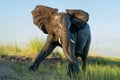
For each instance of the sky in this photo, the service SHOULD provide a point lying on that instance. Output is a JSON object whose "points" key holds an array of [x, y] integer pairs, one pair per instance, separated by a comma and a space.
{"points": [[16, 23]]}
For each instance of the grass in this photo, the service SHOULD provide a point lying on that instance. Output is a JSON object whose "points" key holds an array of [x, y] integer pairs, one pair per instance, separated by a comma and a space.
{"points": [[58, 72], [98, 68], [104, 72], [32, 49]]}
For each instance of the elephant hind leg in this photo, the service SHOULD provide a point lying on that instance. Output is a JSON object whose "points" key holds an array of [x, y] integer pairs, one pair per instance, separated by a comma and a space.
{"points": [[84, 62]]}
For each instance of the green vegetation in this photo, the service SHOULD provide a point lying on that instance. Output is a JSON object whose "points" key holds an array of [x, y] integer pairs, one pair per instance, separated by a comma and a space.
{"points": [[56, 71], [98, 68], [32, 49]]}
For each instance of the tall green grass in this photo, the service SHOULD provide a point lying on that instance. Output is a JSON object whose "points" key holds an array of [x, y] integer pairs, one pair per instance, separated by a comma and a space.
{"points": [[10, 49], [59, 72], [32, 49], [102, 72]]}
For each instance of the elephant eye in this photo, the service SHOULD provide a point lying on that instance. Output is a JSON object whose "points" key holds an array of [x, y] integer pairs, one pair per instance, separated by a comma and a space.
{"points": [[53, 34]]}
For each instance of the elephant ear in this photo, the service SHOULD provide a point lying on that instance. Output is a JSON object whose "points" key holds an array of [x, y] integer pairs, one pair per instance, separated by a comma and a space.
{"points": [[80, 14], [41, 17], [78, 19]]}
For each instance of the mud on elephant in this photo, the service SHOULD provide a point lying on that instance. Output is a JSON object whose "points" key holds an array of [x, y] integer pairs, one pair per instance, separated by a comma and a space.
{"points": [[68, 30]]}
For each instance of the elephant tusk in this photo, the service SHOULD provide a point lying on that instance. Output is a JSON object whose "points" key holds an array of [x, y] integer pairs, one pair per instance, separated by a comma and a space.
{"points": [[72, 41], [59, 40]]}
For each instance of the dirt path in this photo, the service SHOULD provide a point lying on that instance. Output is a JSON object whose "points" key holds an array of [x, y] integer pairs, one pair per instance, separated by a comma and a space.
{"points": [[6, 72]]}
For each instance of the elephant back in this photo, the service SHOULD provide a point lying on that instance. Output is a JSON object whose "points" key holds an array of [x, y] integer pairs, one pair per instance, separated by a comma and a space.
{"points": [[80, 14]]}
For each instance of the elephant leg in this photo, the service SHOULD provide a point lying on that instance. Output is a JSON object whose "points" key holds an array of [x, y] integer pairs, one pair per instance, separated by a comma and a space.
{"points": [[84, 62], [47, 49], [73, 68], [85, 53]]}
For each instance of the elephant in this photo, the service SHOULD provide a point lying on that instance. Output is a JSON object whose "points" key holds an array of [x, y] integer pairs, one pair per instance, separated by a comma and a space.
{"points": [[69, 30]]}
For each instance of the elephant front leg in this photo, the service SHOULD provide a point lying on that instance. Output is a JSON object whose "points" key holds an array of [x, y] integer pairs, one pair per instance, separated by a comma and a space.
{"points": [[73, 68], [47, 49]]}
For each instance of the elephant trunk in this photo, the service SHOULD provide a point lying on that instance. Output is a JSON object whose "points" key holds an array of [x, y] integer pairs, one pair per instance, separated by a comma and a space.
{"points": [[65, 39], [66, 48]]}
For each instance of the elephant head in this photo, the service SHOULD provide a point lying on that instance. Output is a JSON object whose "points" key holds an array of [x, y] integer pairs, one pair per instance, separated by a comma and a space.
{"points": [[42, 17]]}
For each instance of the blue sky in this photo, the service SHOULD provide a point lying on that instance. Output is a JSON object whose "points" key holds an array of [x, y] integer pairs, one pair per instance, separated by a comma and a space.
{"points": [[17, 24]]}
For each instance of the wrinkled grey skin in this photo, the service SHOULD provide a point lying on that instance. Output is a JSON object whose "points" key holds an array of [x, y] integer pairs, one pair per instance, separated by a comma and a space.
{"points": [[74, 43]]}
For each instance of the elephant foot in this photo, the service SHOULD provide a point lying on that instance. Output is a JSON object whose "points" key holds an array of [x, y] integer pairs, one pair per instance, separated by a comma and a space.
{"points": [[72, 75], [73, 70], [84, 68], [33, 67]]}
